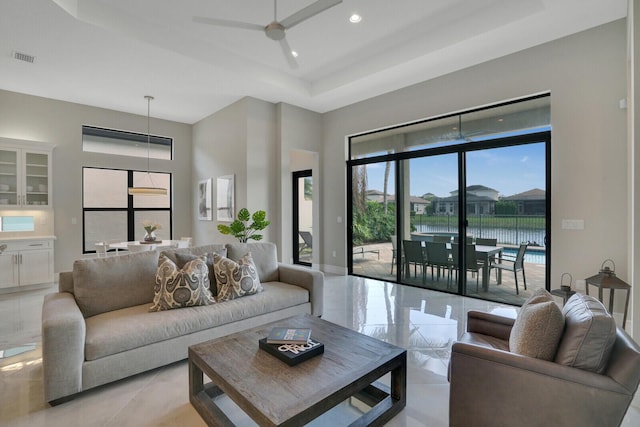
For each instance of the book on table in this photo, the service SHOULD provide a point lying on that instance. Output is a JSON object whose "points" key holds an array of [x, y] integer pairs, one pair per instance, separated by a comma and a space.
{"points": [[292, 354], [283, 335]]}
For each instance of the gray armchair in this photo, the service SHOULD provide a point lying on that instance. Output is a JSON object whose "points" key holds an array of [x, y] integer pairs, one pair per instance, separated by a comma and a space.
{"points": [[491, 386]]}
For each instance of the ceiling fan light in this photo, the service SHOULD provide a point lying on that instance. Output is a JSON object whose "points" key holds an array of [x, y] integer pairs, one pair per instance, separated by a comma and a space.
{"points": [[294, 53], [355, 18]]}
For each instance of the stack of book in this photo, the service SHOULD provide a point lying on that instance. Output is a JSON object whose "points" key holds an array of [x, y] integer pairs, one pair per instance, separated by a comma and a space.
{"points": [[291, 345]]}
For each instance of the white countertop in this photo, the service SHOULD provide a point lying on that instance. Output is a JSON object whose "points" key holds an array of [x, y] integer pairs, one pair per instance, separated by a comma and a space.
{"points": [[25, 238]]}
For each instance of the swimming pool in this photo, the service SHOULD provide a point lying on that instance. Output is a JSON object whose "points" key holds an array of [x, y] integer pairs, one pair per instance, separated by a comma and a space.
{"points": [[533, 255]]}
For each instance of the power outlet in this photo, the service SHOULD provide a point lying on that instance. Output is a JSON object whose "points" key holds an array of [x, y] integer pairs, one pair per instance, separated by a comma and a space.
{"points": [[333, 253]]}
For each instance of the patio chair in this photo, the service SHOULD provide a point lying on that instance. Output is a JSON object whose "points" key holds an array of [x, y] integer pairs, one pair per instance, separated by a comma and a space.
{"points": [[437, 256], [308, 240], [509, 263], [413, 254], [394, 250], [473, 264]]}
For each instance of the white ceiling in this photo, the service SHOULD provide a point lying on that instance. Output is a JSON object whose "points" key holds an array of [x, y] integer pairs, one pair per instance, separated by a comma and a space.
{"points": [[110, 53]]}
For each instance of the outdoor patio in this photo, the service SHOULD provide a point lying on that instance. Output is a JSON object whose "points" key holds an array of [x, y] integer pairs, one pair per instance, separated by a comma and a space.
{"points": [[375, 261]]}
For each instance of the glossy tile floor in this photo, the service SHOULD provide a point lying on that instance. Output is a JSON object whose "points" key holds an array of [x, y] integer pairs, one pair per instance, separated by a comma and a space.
{"points": [[423, 321]]}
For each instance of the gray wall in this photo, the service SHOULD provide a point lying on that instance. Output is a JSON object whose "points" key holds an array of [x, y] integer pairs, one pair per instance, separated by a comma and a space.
{"points": [[240, 140], [60, 123], [586, 75]]}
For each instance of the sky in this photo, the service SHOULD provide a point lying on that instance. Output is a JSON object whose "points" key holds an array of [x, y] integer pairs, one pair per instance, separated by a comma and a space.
{"points": [[509, 170]]}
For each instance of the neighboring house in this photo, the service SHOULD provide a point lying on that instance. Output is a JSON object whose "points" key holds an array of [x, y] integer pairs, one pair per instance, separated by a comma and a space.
{"points": [[530, 202], [418, 205], [481, 200]]}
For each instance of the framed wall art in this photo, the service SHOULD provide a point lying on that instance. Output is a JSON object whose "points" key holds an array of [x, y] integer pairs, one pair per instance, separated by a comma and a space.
{"points": [[204, 200], [225, 198]]}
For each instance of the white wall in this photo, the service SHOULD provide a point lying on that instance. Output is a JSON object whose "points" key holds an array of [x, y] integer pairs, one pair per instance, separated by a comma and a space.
{"points": [[58, 122], [586, 75]]}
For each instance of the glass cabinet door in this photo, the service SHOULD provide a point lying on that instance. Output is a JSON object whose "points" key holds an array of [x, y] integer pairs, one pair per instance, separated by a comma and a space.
{"points": [[9, 191], [36, 180]]}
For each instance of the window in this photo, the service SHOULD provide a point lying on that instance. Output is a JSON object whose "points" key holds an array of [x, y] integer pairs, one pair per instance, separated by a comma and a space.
{"points": [[111, 214], [109, 141]]}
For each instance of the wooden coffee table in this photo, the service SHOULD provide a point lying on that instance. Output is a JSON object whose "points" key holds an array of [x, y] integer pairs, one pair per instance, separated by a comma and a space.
{"points": [[275, 394]]}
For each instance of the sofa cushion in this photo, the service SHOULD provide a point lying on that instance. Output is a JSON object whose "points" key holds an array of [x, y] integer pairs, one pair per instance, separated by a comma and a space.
{"points": [[111, 283], [235, 279], [589, 334], [538, 327], [134, 327], [264, 254], [181, 287]]}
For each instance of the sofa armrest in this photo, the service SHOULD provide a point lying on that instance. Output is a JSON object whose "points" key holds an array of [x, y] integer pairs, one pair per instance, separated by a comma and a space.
{"points": [[489, 324], [63, 339], [312, 280], [499, 388]]}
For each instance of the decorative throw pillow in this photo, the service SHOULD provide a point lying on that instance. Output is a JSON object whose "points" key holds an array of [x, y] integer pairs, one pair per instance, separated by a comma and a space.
{"points": [[538, 327], [186, 287], [235, 279], [589, 334], [183, 258]]}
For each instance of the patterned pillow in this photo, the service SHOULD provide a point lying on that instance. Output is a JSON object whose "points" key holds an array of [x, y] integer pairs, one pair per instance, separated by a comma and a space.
{"points": [[186, 287], [183, 258], [235, 279]]}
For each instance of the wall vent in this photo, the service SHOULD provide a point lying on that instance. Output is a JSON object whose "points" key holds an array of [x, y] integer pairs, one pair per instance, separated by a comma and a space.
{"points": [[23, 57]]}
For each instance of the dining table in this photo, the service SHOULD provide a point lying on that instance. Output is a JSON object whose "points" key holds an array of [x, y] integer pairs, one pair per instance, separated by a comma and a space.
{"points": [[486, 253], [118, 246]]}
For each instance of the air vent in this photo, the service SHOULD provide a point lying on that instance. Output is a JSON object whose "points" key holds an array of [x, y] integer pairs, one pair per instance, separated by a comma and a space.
{"points": [[23, 57]]}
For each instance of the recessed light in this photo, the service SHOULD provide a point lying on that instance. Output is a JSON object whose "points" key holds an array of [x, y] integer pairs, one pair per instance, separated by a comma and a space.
{"points": [[294, 53], [355, 18]]}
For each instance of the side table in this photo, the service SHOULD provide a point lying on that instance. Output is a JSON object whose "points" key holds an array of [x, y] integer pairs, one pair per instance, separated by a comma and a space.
{"points": [[565, 295]]}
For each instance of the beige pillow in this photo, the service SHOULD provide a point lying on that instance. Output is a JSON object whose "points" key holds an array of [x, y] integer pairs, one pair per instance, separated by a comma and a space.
{"points": [[235, 279], [186, 287], [538, 327], [589, 334], [182, 258]]}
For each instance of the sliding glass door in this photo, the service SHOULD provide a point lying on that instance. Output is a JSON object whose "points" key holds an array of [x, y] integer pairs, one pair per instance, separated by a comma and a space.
{"points": [[458, 204]]}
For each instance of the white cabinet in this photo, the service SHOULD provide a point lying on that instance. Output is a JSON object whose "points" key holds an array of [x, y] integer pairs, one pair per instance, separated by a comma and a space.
{"points": [[25, 174], [26, 262]]}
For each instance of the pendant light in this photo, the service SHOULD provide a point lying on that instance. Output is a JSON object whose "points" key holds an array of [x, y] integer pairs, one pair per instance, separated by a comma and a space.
{"points": [[152, 190]]}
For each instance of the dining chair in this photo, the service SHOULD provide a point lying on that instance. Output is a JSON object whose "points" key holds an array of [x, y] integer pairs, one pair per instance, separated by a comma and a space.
{"points": [[438, 256], [473, 264], [513, 264], [101, 249], [413, 254], [188, 241]]}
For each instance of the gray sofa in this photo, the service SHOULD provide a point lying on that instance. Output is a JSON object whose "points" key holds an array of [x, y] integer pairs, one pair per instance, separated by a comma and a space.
{"points": [[97, 328]]}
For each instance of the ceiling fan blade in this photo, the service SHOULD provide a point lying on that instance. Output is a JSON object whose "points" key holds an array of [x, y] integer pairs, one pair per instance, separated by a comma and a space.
{"points": [[227, 23], [286, 50], [309, 11]]}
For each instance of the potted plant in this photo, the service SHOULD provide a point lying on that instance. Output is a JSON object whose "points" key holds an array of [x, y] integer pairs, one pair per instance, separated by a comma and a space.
{"points": [[242, 229]]}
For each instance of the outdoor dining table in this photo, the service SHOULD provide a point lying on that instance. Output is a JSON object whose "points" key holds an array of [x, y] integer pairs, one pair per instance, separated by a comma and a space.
{"points": [[485, 253]]}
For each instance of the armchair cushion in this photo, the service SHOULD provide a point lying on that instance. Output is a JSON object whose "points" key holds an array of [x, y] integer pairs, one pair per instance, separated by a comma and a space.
{"points": [[538, 327], [589, 335]]}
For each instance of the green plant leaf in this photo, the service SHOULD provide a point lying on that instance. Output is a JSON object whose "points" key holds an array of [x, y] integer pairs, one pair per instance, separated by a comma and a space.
{"points": [[224, 229], [243, 214]]}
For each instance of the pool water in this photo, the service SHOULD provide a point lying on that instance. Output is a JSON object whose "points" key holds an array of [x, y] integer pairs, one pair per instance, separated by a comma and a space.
{"points": [[532, 255]]}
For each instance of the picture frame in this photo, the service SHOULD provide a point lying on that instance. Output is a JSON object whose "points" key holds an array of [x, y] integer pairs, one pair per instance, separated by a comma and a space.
{"points": [[225, 198], [204, 200]]}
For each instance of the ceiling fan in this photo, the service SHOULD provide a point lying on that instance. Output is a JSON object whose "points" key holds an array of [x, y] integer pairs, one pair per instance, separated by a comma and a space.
{"points": [[276, 29]]}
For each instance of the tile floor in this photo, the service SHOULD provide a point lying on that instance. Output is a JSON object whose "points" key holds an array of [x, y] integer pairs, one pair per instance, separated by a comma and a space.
{"points": [[423, 321]]}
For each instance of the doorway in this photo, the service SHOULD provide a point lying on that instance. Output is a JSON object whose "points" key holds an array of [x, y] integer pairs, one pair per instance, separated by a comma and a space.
{"points": [[302, 190]]}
